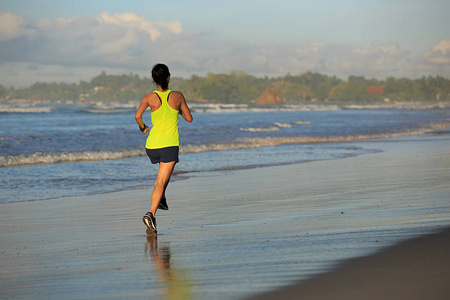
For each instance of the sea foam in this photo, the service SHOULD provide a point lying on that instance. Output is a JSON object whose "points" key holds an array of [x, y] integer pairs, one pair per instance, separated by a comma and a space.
{"points": [[238, 143]]}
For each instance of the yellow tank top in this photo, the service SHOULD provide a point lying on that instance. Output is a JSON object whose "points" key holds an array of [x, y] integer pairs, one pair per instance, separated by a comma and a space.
{"points": [[164, 132]]}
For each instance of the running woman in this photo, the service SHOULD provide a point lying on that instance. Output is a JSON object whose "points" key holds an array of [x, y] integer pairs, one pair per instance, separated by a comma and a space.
{"points": [[163, 143]]}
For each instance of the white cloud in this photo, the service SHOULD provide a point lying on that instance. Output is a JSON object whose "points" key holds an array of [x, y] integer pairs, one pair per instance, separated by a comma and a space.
{"points": [[110, 40], [131, 20], [132, 43], [13, 26], [432, 62], [378, 60], [111, 46], [439, 55]]}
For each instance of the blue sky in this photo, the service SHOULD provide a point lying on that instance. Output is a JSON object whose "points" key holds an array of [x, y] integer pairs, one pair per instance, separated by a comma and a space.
{"points": [[67, 41]]}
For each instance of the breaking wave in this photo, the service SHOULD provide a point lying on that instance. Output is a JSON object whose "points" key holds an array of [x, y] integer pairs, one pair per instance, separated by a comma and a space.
{"points": [[232, 108], [8, 109], [275, 127], [246, 143], [240, 143], [51, 158], [124, 107], [111, 108], [405, 106]]}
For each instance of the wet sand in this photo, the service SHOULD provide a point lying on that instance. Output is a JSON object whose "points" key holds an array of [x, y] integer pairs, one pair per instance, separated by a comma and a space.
{"points": [[234, 234], [414, 269]]}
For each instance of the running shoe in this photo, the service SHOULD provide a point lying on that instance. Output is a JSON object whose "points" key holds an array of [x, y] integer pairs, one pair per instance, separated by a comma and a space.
{"points": [[150, 221], [163, 204]]}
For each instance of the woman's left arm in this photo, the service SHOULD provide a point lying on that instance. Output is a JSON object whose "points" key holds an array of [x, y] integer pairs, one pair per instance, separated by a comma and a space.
{"points": [[185, 112], [138, 116]]}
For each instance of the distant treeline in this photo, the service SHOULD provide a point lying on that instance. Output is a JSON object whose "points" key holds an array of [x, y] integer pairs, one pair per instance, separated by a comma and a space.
{"points": [[239, 87]]}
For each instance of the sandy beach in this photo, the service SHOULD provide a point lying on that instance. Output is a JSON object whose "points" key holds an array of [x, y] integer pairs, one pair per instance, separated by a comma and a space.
{"points": [[372, 226], [414, 269]]}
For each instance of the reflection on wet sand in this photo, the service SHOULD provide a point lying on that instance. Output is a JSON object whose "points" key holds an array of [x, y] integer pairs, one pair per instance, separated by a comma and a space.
{"points": [[174, 283]]}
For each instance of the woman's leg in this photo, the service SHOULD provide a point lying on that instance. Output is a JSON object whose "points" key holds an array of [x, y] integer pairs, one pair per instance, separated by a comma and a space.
{"points": [[165, 187], [164, 173], [163, 202]]}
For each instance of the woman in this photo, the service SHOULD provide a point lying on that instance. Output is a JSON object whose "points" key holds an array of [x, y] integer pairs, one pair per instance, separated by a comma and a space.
{"points": [[162, 143]]}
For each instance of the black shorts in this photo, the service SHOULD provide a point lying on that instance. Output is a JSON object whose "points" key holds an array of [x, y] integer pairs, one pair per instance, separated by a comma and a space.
{"points": [[165, 155]]}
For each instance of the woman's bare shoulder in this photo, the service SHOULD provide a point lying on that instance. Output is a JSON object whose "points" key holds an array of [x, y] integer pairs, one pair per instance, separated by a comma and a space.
{"points": [[177, 95], [150, 96]]}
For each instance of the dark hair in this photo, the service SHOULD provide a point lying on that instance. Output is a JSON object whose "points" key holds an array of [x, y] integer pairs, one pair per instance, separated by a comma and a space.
{"points": [[160, 74]]}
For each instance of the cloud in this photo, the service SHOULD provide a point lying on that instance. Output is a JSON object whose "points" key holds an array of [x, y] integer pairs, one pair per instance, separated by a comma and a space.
{"points": [[377, 60], [127, 42], [13, 26], [434, 62], [439, 54], [133, 21], [109, 40]]}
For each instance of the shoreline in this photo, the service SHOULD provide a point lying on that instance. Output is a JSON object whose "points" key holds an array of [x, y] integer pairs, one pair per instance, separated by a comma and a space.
{"points": [[433, 129], [226, 230]]}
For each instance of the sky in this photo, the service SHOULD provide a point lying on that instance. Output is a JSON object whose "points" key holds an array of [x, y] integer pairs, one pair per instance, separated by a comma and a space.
{"points": [[69, 41]]}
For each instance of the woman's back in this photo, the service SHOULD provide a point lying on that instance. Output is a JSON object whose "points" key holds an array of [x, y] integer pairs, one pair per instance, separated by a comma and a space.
{"points": [[164, 132]]}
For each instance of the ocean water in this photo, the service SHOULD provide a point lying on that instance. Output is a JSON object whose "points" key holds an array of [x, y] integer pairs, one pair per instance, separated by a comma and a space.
{"points": [[50, 150]]}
